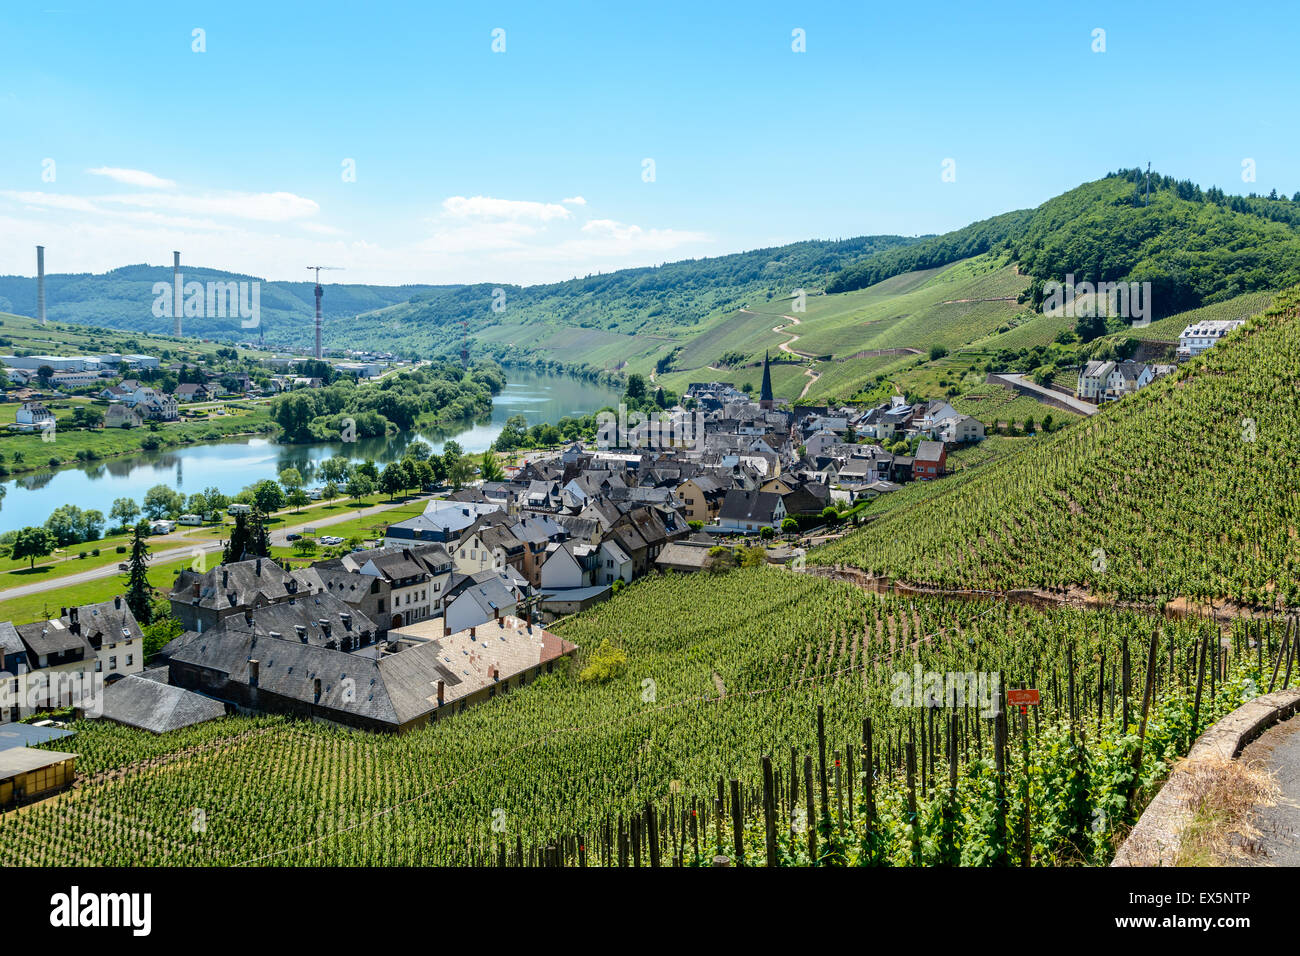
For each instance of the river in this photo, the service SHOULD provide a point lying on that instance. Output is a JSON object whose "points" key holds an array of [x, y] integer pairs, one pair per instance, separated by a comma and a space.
{"points": [[234, 464]]}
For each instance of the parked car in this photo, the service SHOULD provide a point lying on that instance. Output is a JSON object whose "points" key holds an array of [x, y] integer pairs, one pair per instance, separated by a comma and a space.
{"points": [[331, 539], [293, 536]]}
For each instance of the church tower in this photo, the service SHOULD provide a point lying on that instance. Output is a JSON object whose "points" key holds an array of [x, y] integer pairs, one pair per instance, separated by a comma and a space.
{"points": [[765, 396]]}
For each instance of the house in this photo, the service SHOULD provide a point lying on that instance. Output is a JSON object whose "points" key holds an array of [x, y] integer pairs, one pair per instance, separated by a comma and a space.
{"points": [[1092, 380], [442, 522], [118, 415], [478, 598], [113, 634], [751, 511], [71, 380], [379, 584], [424, 672], [701, 497], [33, 416], [201, 601], [1126, 378], [191, 392], [959, 429], [931, 459], [1200, 336]]}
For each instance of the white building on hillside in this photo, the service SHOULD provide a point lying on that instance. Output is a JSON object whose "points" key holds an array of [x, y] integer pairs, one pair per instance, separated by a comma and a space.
{"points": [[1204, 335]]}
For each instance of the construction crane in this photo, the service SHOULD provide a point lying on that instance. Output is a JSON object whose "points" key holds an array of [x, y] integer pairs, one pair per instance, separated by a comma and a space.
{"points": [[319, 291]]}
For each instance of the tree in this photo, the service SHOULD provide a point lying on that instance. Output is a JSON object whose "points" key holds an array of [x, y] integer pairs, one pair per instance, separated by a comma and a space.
{"points": [[198, 504], [249, 539], [636, 387], [163, 502], [268, 496], [217, 502], [789, 526], [137, 576], [491, 470], [421, 450], [605, 662], [32, 543], [393, 479], [767, 532], [335, 469], [87, 417], [125, 512], [291, 478], [359, 486], [937, 352], [297, 498]]}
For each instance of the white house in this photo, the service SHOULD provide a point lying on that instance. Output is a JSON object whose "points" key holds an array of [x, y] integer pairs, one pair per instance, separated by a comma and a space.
{"points": [[960, 428], [33, 415], [1204, 335]]}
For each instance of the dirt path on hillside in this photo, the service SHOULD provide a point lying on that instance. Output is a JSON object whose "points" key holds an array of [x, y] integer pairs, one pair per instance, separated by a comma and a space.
{"points": [[1222, 614]]}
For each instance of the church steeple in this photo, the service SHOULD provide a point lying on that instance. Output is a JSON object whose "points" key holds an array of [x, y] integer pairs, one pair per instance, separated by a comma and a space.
{"points": [[765, 396]]}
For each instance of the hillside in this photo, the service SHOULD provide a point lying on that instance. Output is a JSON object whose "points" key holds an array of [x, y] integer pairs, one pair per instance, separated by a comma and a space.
{"points": [[123, 299], [1185, 489]]}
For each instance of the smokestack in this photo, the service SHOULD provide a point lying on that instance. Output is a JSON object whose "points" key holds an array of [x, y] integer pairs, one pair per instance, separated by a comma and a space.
{"points": [[40, 283], [440, 686], [254, 671], [176, 293]]}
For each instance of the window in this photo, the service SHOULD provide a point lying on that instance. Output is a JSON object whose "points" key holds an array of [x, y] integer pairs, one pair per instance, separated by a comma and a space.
{"points": [[130, 659], [112, 663]]}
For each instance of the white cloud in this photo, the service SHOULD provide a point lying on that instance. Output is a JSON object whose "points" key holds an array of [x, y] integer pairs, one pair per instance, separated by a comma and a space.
{"points": [[263, 207], [132, 177], [486, 207], [574, 201]]}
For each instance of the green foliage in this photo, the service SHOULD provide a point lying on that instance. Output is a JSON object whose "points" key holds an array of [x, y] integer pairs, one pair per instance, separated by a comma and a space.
{"points": [[32, 543], [604, 663]]}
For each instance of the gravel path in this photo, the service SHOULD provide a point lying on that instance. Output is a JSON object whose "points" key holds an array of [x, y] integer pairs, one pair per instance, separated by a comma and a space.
{"points": [[1279, 750]]}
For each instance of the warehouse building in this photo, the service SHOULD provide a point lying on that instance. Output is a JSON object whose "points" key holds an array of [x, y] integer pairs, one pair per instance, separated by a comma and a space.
{"points": [[28, 774]]}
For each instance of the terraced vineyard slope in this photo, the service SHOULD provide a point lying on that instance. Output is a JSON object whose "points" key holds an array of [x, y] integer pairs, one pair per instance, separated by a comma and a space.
{"points": [[1185, 490]]}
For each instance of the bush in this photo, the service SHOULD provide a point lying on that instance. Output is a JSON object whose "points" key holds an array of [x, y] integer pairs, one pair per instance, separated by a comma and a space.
{"points": [[605, 662], [789, 526], [121, 549], [94, 553]]}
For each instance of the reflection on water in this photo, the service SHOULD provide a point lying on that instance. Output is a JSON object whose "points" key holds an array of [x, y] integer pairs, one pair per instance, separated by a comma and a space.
{"points": [[231, 465]]}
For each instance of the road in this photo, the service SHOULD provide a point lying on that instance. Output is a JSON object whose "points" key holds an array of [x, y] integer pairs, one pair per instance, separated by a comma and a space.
{"points": [[1279, 826], [1041, 391], [188, 547]]}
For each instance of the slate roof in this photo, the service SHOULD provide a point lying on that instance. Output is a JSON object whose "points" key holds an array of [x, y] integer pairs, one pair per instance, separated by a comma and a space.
{"points": [[51, 637], [10, 642], [238, 584], [749, 505], [153, 706], [111, 622]]}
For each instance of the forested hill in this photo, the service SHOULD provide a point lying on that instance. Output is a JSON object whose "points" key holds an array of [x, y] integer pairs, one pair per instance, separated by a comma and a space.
{"points": [[1196, 246], [667, 300], [123, 299]]}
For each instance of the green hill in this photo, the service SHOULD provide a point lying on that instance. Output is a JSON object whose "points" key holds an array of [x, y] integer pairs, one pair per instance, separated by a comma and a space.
{"points": [[1186, 489]]}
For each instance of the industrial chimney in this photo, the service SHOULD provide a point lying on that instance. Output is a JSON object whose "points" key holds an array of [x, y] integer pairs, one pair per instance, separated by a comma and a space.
{"points": [[176, 293], [40, 283]]}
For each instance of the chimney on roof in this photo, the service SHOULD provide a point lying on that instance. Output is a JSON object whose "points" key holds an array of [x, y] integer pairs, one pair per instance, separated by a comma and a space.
{"points": [[301, 632], [248, 616], [196, 589], [440, 688], [63, 612], [117, 602], [496, 672], [254, 671], [259, 567], [225, 578], [446, 628], [346, 618], [325, 626], [473, 633]]}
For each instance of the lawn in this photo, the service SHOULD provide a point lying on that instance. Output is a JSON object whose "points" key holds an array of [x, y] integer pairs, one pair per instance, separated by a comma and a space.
{"points": [[43, 604]]}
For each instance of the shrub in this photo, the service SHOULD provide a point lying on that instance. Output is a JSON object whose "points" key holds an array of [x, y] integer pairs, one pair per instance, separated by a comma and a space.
{"points": [[605, 662]]}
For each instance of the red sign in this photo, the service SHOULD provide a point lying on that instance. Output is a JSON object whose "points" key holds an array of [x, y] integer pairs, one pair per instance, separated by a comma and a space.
{"points": [[1022, 698]]}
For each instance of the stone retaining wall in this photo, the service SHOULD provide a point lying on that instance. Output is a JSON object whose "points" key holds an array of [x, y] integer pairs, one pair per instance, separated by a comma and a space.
{"points": [[1156, 839]]}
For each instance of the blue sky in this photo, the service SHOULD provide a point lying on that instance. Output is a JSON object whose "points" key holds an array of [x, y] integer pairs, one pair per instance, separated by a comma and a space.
{"points": [[465, 158]]}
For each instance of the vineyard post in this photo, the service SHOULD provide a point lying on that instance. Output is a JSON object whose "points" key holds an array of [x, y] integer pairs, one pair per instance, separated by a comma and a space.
{"points": [[1000, 763], [1128, 684], [1200, 681], [848, 771], [1025, 859], [717, 826], [821, 760], [737, 829], [1101, 689], [808, 800], [1281, 649], [839, 797], [652, 822], [794, 789], [1147, 692], [868, 772], [1069, 667], [695, 828], [913, 822], [582, 850], [769, 811], [635, 821]]}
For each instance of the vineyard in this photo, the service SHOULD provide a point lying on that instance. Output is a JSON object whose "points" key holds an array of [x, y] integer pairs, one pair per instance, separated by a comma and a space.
{"points": [[720, 671], [1184, 490]]}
